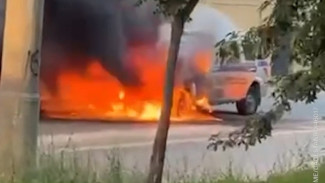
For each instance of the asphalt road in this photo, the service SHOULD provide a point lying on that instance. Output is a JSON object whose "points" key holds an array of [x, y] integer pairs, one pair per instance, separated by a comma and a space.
{"points": [[188, 140]]}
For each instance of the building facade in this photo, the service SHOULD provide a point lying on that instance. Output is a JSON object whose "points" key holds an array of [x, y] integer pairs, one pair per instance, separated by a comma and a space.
{"points": [[244, 13]]}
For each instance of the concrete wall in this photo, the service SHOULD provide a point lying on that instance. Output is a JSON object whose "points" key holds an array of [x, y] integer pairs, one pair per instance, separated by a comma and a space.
{"points": [[244, 13]]}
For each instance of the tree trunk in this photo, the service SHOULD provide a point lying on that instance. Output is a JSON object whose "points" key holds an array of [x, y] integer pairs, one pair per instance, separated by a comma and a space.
{"points": [[19, 96], [159, 147]]}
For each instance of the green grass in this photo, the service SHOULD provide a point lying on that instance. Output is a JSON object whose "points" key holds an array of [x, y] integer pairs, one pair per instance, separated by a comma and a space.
{"points": [[68, 169], [294, 176], [299, 176]]}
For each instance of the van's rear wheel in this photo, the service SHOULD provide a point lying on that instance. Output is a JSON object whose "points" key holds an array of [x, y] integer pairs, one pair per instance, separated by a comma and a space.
{"points": [[250, 103], [183, 106]]}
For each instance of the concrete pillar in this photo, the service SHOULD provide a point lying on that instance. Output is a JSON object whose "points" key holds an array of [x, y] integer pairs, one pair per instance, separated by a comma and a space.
{"points": [[19, 87]]}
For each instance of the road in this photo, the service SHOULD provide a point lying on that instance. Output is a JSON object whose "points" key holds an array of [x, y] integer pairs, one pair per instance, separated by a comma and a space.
{"points": [[187, 143]]}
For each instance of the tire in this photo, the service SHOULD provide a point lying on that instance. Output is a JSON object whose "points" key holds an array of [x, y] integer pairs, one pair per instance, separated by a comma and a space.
{"points": [[183, 106], [250, 103]]}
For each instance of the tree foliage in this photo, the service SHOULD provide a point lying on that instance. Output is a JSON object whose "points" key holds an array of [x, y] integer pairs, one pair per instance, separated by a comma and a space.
{"points": [[171, 8], [305, 21]]}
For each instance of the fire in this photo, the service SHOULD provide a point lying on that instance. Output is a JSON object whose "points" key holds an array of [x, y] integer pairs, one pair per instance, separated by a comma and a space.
{"points": [[121, 95], [96, 94], [203, 61], [151, 111], [203, 103]]}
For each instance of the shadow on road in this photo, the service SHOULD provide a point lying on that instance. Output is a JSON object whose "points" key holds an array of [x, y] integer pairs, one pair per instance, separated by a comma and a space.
{"points": [[81, 125], [217, 117], [230, 119]]}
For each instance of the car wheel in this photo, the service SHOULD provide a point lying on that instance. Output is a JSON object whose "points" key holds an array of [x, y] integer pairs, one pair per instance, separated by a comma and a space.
{"points": [[250, 103], [183, 104]]}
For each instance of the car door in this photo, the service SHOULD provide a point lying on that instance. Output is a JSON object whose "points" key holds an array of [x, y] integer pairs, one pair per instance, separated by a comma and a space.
{"points": [[230, 79]]}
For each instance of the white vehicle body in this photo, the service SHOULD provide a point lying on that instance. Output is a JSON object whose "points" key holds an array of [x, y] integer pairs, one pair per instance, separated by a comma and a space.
{"points": [[243, 82]]}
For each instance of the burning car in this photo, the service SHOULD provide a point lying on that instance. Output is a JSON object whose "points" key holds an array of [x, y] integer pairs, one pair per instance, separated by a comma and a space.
{"points": [[232, 78], [106, 59]]}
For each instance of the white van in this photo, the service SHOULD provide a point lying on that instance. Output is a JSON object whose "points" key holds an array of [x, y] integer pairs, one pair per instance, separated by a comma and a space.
{"points": [[234, 79]]}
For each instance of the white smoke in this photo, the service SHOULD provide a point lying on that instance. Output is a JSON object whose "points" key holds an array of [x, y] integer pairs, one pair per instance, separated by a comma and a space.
{"points": [[206, 28]]}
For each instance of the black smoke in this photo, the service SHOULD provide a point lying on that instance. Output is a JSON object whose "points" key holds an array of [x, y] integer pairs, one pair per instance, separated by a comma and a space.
{"points": [[100, 29], [76, 30]]}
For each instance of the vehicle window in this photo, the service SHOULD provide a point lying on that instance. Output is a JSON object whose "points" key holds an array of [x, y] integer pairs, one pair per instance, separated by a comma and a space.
{"points": [[228, 54], [249, 49]]}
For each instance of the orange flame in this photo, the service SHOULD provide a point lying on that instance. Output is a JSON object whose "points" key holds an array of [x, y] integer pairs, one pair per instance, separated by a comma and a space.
{"points": [[96, 94], [203, 61]]}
